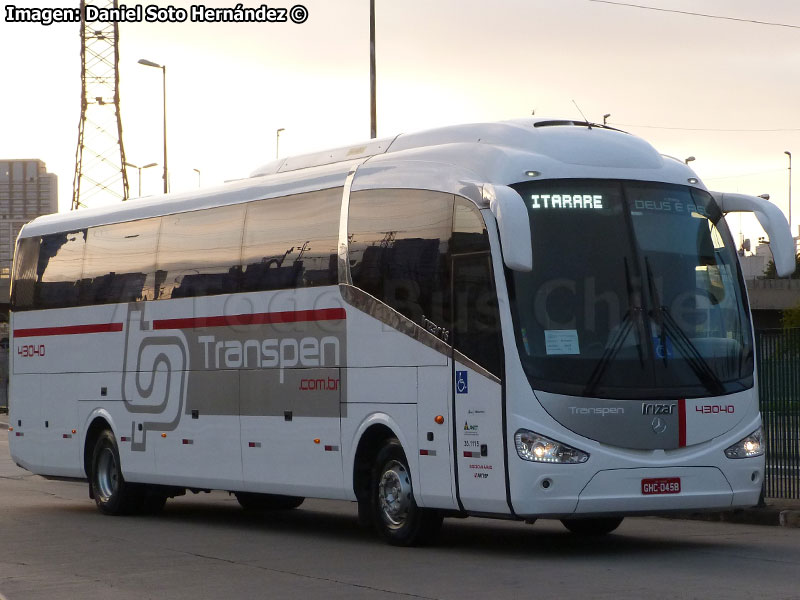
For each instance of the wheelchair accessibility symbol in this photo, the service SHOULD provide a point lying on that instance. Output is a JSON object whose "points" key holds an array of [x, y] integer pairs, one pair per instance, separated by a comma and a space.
{"points": [[461, 382], [663, 347]]}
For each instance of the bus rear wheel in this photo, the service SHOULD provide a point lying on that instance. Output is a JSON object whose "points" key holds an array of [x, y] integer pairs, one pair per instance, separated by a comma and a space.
{"points": [[596, 526], [112, 494], [395, 514], [251, 501]]}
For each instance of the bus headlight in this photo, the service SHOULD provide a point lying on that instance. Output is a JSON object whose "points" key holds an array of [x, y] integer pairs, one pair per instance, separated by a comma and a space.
{"points": [[752, 445], [538, 448]]}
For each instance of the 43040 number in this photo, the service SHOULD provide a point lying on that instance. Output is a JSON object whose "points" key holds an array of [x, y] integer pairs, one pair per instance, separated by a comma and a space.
{"points": [[31, 350]]}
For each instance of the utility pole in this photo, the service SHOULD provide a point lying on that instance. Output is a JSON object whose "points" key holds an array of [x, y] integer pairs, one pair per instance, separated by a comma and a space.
{"points": [[278, 142], [150, 63], [373, 112], [789, 154]]}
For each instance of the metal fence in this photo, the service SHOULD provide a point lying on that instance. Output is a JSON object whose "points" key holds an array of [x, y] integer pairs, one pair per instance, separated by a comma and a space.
{"points": [[778, 363], [3, 372]]}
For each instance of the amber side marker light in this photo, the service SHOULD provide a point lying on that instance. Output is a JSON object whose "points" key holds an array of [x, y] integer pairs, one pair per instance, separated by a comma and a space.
{"points": [[439, 419], [316, 440]]}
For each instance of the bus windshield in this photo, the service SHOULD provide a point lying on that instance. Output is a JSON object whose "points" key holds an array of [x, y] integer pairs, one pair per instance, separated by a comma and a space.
{"points": [[635, 293]]}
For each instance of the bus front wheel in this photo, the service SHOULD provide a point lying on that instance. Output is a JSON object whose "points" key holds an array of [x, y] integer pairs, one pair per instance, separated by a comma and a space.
{"points": [[395, 514]]}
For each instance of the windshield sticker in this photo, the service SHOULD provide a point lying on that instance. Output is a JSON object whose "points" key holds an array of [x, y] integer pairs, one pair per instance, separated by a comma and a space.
{"points": [[525, 341], [561, 341], [670, 205], [665, 205], [593, 201]]}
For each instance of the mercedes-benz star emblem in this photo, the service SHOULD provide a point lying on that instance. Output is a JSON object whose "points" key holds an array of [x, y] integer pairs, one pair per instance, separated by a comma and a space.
{"points": [[659, 425]]}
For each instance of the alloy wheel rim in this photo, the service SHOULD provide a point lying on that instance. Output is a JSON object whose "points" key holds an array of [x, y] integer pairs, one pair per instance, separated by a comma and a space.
{"points": [[394, 494], [107, 475]]}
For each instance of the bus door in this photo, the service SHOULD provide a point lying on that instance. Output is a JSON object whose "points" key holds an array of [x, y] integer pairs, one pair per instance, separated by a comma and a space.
{"points": [[434, 421], [477, 391]]}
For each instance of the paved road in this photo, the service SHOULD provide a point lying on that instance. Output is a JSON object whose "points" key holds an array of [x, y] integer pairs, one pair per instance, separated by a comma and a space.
{"points": [[54, 544]]}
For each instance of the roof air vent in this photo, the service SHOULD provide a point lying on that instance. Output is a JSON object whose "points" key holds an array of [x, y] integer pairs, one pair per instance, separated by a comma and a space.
{"points": [[560, 124]]}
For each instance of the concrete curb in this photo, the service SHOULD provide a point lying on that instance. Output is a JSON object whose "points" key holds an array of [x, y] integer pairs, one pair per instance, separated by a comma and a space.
{"points": [[790, 518], [772, 515]]}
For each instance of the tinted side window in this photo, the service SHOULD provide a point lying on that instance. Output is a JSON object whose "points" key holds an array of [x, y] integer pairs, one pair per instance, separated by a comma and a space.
{"points": [[399, 240], [292, 241], [476, 320], [469, 231], [26, 260], [59, 269], [120, 262], [199, 253]]}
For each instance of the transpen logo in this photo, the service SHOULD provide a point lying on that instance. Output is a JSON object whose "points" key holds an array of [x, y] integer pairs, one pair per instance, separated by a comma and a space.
{"points": [[269, 353], [602, 411], [319, 384], [153, 376]]}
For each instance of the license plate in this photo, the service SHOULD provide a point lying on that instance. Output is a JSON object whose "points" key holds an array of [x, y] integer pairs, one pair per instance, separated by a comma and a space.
{"points": [[663, 485]]}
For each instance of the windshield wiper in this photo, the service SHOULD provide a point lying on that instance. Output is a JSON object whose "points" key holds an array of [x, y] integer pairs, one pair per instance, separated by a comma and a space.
{"points": [[609, 353], [624, 327], [657, 315], [694, 359]]}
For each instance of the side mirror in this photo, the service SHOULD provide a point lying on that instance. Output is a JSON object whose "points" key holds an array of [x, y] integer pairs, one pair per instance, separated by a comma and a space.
{"points": [[781, 242], [514, 225]]}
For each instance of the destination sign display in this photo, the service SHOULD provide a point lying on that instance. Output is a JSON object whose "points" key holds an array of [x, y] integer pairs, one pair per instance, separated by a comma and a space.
{"points": [[567, 201]]}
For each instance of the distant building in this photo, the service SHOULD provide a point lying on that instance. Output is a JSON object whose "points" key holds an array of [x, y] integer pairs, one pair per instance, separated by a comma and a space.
{"points": [[768, 297], [753, 265], [27, 191]]}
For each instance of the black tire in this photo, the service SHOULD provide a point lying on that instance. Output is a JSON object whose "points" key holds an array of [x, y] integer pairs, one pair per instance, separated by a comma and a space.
{"points": [[395, 514], [365, 513], [591, 527], [112, 494], [262, 502]]}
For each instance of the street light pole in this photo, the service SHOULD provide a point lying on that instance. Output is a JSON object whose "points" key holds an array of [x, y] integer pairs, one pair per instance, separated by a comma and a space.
{"points": [[605, 118], [689, 159], [127, 164], [789, 154], [149, 63], [198, 176], [278, 142], [373, 113]]}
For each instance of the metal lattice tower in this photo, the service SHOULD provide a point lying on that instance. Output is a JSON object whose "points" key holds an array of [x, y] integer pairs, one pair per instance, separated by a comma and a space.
{"points": [[100, 157]]}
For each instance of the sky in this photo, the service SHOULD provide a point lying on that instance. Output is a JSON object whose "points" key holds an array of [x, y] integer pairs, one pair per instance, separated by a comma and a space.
{"points": [[724, 90]]}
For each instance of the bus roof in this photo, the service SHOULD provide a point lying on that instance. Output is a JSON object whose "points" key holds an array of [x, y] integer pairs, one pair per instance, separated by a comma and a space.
{"points": [[458, 159]]}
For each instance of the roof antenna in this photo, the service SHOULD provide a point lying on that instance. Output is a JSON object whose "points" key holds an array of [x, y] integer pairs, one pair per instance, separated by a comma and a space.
{"points": [[583, 115]]}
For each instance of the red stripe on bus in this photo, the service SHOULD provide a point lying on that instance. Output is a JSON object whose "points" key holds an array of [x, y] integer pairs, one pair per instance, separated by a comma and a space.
{"points": [[68, 330], [292, 316], [682, 422]]}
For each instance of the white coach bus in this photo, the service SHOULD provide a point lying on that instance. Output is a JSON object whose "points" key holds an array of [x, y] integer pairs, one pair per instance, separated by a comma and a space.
{"points": [[528, 319]]}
